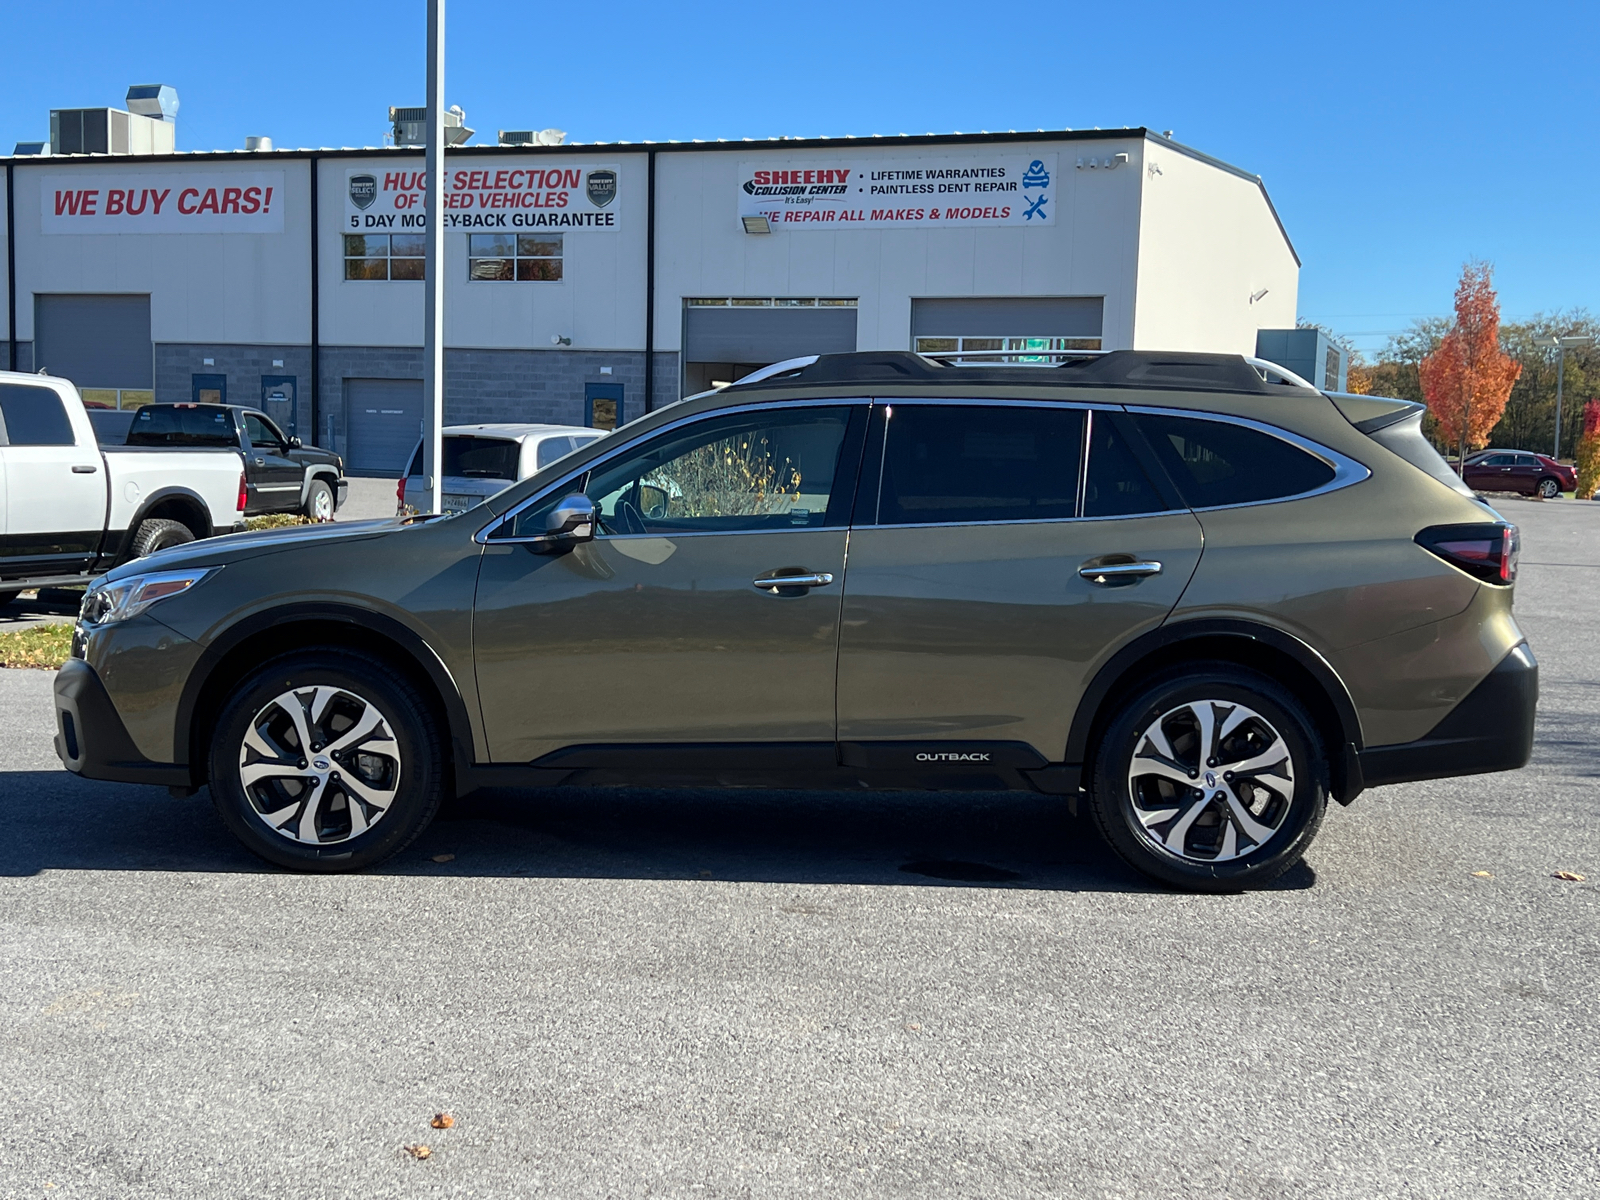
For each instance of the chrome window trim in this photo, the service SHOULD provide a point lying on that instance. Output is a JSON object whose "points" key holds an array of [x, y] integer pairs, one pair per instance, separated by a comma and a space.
{"points": [[1347, 472], [482, 536]]}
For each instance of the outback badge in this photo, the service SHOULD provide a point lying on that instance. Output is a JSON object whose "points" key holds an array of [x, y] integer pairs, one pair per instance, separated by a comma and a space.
{"points": [[601, 187]]}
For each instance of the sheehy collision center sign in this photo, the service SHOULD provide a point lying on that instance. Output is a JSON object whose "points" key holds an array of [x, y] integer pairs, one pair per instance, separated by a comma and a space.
{"points": [[514, 194], [162, 202], [899, 191]]}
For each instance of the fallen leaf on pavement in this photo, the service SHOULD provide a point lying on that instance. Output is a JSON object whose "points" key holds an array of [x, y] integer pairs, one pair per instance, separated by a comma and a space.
{"points": [[1569, 876], [442, 1121], [443, 857], [1482, 875], [419, 1151]]}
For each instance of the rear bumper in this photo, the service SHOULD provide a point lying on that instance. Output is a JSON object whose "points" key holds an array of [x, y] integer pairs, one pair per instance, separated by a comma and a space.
{"points": [[91, 738], [1490, 730]]}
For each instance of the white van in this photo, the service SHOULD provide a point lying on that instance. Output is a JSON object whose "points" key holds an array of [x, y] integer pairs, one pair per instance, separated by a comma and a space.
{"points": [[480, 460]]}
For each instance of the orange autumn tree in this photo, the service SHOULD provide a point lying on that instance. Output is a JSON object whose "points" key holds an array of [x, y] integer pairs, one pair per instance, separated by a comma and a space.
{"points": [[1468, 379], [1589, 452]]}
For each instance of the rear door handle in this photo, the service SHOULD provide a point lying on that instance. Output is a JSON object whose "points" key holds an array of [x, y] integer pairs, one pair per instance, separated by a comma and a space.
{"points": [[83, 469], [779, 583], [1112, 572]]}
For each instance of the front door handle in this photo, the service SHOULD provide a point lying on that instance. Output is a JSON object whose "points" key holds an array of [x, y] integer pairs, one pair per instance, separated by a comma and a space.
{"points": [[779, 585], [83, 469], [261, 462], [1111, 573]]}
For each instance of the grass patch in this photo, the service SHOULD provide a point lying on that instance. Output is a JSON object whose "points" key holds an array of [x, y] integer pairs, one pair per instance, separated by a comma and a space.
{"points": [[45, 646], [277, 521]]}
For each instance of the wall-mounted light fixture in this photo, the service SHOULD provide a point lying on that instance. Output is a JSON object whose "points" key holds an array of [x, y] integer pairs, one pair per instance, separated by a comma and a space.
{"points": [[756, 224], [557, 340], [208, 362], [1254, 296]]}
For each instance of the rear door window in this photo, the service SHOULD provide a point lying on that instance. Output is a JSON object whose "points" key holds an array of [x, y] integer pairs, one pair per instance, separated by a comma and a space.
{"points": [[34, 416], [479, 458], [962, 464], [1218, 463]]}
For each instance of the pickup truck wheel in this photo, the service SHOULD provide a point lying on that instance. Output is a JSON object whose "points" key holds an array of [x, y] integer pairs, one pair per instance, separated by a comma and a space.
{"points": [[319, 501], [159, 534], [326, 761], [1211, 778]]}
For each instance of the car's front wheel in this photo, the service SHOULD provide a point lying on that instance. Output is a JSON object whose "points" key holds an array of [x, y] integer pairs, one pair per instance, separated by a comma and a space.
{"points": [[319, 501], [1211, 777], [325, 761]]}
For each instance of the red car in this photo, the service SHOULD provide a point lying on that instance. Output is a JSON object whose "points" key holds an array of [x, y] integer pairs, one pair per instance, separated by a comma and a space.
{"points": [[1519, 471]]}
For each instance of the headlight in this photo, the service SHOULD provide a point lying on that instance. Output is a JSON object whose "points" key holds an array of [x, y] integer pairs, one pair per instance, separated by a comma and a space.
{"points": [[121, 599]]}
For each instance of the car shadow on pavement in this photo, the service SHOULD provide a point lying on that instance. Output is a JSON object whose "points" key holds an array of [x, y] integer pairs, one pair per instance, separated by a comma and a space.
{"points": [[56, 821]]}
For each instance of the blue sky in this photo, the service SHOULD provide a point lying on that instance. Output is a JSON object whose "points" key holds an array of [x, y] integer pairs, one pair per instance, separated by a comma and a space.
{"points": [[1396, 139]]}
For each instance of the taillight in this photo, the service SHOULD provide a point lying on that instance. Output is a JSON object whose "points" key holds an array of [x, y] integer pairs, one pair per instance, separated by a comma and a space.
{"points": [[1488, 551], [244, 494], [400, 496]]}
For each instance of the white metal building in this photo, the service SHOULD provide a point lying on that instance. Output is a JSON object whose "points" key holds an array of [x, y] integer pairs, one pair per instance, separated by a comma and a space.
{"points": [[584, 279]]}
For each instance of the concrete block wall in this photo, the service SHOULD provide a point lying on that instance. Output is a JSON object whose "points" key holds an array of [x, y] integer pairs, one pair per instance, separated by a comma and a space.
{"points": [[244, 366]]}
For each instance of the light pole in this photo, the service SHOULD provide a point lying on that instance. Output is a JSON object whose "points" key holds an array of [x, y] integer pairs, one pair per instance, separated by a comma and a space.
{"points": [[433, 266], [1561, 345]]}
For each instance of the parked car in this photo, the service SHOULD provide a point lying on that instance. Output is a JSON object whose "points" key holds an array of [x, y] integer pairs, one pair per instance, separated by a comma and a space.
{"points": [[282, 475], [1519, 471], [480, 460], [71, 508], [1194, 592]]}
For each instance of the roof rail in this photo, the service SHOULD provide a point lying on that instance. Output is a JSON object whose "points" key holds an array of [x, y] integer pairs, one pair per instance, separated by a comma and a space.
{"points": [[1148, 369]]}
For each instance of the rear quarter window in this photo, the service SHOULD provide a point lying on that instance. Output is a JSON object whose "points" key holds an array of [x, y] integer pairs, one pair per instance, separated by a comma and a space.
{"points": [[1218, 463]]}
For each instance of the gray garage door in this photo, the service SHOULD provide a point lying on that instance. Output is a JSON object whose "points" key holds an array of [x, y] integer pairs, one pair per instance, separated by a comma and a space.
{"points": [[1008, 316], [765, 335], [95, 341], [382, 422]]}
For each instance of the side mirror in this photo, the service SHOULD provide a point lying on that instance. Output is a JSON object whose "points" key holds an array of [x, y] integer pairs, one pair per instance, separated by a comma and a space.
{"points": [[570, 522], [295, 443]]}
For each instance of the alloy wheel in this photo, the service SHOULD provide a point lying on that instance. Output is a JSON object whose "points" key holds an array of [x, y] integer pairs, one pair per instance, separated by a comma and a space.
{"points": [[320, 765], [322, 506], [1549, 489], [1210, 781]]}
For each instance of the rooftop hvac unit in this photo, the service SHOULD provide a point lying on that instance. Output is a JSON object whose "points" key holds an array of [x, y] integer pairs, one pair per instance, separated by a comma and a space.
{"points": [[528, 137], [155, 100], [258, 143], [32, 149], [108, 131], [411, 126]]}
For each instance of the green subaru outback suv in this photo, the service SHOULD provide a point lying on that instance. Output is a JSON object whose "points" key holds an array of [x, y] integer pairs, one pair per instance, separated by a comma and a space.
{"points": [[1188, 588]]}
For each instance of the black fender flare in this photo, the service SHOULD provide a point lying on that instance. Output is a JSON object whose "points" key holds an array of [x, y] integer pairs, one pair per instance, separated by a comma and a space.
{"points": [[458, 723], [1344, 758], [160, 495]]}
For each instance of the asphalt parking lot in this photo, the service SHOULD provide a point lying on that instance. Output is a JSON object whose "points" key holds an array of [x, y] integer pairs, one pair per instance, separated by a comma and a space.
{"points": [[749, 994]]}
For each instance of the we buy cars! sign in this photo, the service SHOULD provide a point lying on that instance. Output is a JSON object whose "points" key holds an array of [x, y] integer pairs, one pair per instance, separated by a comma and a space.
{"points": [[162, 202], [514, 194], [894, 191]]}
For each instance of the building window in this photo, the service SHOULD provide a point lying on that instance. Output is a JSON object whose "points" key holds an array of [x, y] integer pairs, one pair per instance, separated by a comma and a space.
{"points": [[514, 257], [1002, 349], [383, 255]]}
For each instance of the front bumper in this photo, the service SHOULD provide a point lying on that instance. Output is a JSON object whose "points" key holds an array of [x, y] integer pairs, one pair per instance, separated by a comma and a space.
{"points": [[341, 489], [1490, 730], [91, 738]]}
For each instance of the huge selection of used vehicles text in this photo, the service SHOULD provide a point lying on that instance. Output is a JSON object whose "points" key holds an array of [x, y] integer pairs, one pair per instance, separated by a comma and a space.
{"points": [[1189, 587]]}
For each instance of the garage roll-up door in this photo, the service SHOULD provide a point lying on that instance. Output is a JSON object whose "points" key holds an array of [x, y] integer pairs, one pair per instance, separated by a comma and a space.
{"points": [[1008, 316], [382, 422], [765, 335], [95, 341]]}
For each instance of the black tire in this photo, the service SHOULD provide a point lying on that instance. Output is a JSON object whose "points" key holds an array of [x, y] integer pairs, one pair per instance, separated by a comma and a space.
{"points": [[1293, 818], [158, 533], [7, 597], [1549, 488], [319, 501], [418, 759]]}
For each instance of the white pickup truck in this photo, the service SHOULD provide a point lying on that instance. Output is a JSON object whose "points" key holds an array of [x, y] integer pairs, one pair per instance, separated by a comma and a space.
{"points": [[70, 509]]}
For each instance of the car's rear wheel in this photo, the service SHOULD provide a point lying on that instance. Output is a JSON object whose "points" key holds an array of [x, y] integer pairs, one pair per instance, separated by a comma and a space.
{"points": [[319, 501], [325, 761], [1211, 777], [1549, 488], [158, 533]]}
